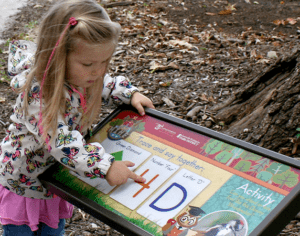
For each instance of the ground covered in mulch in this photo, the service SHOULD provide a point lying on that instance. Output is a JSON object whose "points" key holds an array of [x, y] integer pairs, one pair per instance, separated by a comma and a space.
{"points": [[183, 55]]}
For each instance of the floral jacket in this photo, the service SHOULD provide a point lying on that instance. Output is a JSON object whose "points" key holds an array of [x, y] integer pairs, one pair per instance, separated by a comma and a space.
{"points": [[22, 154]]}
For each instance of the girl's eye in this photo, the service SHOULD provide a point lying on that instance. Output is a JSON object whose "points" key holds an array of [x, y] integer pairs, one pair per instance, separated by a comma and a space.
{"points": [[87, 64]]}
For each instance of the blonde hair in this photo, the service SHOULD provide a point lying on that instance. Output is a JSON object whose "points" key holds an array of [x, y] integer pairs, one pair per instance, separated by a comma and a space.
{"points": [[94, 27]]}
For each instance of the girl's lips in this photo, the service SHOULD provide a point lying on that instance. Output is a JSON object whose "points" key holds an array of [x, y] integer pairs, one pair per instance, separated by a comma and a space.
{"points": [[91, 81]]}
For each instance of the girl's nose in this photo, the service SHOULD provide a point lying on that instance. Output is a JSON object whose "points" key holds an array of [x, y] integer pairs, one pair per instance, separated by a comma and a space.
{"points": [[94, 73]]}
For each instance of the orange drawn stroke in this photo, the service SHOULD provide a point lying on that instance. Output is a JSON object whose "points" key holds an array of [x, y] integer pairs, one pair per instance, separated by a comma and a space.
{"points": [[145, 185]]}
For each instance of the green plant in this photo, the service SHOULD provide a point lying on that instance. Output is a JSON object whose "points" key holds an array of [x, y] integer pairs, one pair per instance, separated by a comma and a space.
{"points": [[7, 42], [298, 135], [4, 77], [31, 24], [25, 36]]}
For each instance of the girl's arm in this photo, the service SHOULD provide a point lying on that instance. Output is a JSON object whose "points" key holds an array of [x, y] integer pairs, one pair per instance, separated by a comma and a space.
{"points": [[69, 147], [20, 60], [89, 160], [119, 90]]}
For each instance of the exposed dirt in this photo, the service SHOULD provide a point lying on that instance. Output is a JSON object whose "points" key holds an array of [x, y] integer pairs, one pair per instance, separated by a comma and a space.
{"points": [[182, 54]]}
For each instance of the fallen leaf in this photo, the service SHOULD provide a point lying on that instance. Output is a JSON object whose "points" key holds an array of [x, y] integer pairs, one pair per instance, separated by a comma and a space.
{"points": [[279, 22], [225, 12], [263, 61], [196, 62], [194, 111], [38, 6], [291, 21], [276, 44], [204, 117], [210, 14], [141, 89], [168, 102], [253, 53], [230, 7], [211, 99], [155, 66], [177, 42], [165, 84], [203, 97], [2, 99], [173, 65]]}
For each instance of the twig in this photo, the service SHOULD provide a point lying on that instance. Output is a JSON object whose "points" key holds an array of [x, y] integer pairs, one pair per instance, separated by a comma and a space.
{"points": [[118, 4], [2, 123]]}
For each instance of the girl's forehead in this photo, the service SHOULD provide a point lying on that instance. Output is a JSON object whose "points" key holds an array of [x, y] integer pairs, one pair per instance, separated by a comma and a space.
{"points": [[85, 49]]}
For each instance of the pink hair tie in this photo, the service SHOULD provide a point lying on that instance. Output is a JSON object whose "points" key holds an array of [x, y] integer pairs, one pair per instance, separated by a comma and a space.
{"points": [[72, 22]]}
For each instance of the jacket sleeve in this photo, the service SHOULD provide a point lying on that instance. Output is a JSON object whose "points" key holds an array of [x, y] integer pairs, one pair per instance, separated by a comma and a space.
{"points": [[20, 60], [68, 146], [117, 90]]}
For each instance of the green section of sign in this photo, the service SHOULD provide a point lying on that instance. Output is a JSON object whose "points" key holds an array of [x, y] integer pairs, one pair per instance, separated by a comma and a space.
{"points": [[117, 155]]}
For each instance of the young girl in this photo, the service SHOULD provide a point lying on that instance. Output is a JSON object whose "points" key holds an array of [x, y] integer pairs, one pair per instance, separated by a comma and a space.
{"points": [[59, 97]]}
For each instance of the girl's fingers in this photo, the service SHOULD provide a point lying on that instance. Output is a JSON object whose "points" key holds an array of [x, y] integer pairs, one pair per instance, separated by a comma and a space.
{"points": [[129, 163], [133, 175], [136, 177], [139, 101], [149, 104], [140, 109]]}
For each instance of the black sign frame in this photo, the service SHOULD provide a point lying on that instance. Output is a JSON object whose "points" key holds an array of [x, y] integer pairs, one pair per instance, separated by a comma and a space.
{"points": [[273, 223]]}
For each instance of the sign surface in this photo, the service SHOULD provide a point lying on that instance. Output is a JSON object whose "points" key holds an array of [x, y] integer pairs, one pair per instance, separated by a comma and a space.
{"points": [[198, 182]]}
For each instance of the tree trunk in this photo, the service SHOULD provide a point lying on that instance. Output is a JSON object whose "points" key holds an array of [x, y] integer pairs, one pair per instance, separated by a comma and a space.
{"points": [[265, 111]]}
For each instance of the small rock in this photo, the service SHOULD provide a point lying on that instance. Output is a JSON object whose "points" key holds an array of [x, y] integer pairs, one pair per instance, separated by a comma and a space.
{"points": [[102, 232], [77, 216], [85, 233], [272, 54], [298, 216], [289, 226], [93, 225], [208, 123]]}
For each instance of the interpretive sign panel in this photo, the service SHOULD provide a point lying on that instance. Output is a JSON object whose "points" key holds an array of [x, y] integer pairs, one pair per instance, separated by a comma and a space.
{"points": [[199, 182]]}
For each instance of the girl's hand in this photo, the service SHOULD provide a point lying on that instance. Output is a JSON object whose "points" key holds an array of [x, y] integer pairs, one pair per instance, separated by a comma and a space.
{"points": [[119, 173], [138, 101]]}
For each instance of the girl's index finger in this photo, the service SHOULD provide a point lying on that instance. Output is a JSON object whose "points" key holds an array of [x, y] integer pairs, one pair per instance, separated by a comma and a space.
{"points": [[136, 178]]}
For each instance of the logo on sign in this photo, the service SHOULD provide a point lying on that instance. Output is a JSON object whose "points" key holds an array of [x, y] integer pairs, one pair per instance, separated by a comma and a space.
{"points": [[161, 128]]}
